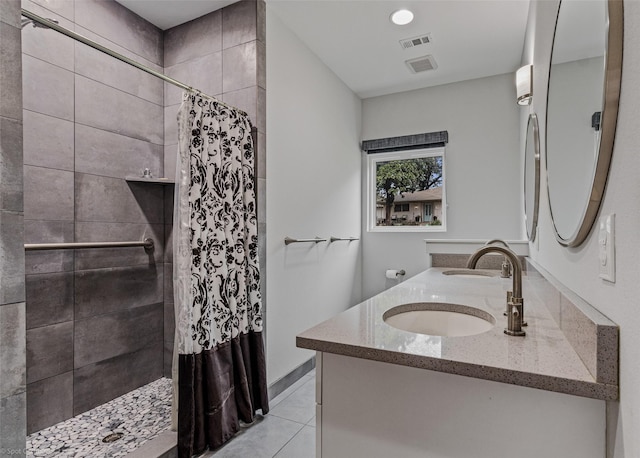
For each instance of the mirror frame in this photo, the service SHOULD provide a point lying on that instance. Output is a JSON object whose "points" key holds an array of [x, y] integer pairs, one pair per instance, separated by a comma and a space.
{"points": [[609, 117], [532, 123]]}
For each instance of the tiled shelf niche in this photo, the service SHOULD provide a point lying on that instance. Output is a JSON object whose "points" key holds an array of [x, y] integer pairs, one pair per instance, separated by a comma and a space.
{"points": [[162, 181]]}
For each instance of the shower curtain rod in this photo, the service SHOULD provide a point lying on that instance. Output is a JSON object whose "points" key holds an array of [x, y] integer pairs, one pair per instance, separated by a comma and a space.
{"points": [[99, 47]]}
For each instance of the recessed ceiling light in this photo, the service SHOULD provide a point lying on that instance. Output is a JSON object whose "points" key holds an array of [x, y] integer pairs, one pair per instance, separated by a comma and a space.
{"points": [[402, 17]]}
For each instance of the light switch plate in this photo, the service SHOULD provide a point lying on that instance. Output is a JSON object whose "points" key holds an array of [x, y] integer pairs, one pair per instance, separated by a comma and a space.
{"points": [[606, 248]]}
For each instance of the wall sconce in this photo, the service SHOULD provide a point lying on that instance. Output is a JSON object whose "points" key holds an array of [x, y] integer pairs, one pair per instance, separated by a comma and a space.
{"points": [[524, 84]]}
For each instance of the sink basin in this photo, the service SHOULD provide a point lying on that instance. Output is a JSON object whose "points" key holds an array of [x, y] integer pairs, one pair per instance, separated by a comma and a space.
{"points": [[470, 273], [439, 319]]}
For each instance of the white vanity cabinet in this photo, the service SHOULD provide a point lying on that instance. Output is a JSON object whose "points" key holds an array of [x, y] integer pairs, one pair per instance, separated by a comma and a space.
{"points": [[374, 409], [387, 392]]}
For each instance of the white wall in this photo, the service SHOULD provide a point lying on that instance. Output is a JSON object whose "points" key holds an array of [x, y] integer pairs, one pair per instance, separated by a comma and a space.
{"points": [[578, 268], [313, 188], [483, 168]]}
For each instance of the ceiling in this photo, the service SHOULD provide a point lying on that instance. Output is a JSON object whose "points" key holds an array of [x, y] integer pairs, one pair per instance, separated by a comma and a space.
{"points": [[165, 14], [470, 38]]}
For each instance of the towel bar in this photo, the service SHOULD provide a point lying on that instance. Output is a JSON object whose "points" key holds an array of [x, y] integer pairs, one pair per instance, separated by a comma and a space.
{"points": [[289, 240], [346, 239]]}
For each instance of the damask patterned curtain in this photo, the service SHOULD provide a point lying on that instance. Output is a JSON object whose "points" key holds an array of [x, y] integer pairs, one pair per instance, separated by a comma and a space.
{"points": [[221, 363]]}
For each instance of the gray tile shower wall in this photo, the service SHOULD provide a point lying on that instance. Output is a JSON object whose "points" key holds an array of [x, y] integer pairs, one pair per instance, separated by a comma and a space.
{"points": [[103, 121], [193, 39], [11, 65], [12, 255], [50, 298], [64, 8], [122, 329], [48, 89], [53, 151], [105, 291], [221, 54], [95, 384], [113, 257], [198, 71], [50, 401], [13, 379], [57, 49], [49, 350], [99, 67], [13, 371], [11, 143], [114, 200], [128, 155], [92, 315], [101, 106], [115, 23], [48, 193], [38, 262], [239, 67]]}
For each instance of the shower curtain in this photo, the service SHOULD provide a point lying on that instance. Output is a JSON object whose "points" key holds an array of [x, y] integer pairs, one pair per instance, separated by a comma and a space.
{"points": [[221, 363]]}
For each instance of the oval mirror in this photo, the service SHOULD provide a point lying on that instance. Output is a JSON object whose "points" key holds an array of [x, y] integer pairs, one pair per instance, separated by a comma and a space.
{"points": [[532, 176], [582, 109]]}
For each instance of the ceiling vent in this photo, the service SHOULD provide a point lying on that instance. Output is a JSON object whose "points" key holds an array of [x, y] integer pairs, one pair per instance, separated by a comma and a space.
{"points": [[421, 64], [415, 41]]}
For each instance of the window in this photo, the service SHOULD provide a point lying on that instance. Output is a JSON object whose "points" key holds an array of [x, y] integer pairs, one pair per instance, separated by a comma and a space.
{"points": [[406, 191]]}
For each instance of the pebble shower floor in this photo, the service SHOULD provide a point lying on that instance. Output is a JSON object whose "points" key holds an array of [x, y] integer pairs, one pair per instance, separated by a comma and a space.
{"points": [[139, 415]]}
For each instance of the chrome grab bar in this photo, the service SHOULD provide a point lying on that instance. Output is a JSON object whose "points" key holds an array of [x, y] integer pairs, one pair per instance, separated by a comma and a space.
{"points": [[146, 243], [289, 240]]}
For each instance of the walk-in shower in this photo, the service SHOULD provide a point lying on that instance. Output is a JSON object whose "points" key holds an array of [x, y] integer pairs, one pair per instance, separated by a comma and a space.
{"points": [[98, 235], [95, 243]]}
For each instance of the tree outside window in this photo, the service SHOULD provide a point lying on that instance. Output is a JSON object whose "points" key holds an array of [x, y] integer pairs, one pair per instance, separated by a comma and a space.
{"points": [[408, 189]]}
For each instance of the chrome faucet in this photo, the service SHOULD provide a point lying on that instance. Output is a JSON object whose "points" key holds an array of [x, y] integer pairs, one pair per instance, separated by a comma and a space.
{"points": [[515, 303], [506, 266]]}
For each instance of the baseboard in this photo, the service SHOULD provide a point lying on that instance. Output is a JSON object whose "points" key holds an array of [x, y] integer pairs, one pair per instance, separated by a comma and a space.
{"points": [[292, 377]]}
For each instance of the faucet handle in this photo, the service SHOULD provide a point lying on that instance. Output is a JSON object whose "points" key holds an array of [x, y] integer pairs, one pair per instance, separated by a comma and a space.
{"points": [[515, 317], [509, 297], [506, 269], [514, 300]]}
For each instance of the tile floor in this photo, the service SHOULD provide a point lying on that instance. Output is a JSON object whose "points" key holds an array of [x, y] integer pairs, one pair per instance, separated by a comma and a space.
{"points": [[287, 431]]}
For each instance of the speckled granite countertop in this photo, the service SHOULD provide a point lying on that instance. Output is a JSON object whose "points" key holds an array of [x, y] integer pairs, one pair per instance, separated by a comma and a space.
{"points": [[543, 359]]}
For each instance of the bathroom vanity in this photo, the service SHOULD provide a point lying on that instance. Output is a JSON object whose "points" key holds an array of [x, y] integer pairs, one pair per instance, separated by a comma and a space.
{"points": [[382, 391]]}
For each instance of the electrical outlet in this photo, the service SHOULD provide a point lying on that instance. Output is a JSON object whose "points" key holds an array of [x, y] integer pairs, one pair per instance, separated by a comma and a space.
{"points": [[606, 248]]}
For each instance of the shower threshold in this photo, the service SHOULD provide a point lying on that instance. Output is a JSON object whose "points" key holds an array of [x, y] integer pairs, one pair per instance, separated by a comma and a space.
{"points": [[114, 429]]}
